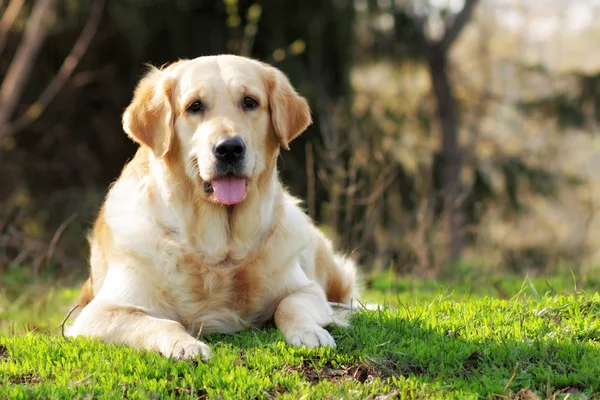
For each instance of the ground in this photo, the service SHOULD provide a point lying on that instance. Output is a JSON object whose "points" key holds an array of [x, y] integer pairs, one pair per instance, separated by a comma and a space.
{"points": [[477, 337]]}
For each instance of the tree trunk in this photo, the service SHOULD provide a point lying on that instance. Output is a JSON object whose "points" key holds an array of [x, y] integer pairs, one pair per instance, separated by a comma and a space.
{"points": [[451, 154]]}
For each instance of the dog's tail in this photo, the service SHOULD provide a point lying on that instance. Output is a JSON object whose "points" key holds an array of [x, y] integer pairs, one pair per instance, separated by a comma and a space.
{"points": [[342, 281], [344, 289]]}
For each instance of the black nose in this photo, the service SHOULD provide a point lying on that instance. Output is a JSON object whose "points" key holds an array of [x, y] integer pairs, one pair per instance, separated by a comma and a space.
{"points": [[230, 150]]}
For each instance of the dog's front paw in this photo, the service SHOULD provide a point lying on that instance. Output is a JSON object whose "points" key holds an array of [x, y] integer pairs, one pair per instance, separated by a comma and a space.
{"points": [[311, 337], [187, 349]]}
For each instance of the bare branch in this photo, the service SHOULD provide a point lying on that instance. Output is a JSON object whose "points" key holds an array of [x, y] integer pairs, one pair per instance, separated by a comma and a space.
{"points": [[460, 21], [20, 67], [57, 234], [30, 246], [65, 71], [385, 179], [8, 18]]}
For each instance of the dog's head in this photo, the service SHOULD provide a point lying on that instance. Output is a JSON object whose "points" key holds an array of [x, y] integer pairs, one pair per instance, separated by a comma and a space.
{"points": [[224, 116]]}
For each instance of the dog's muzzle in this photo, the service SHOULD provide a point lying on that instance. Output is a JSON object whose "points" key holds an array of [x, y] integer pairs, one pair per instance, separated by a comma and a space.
{"points": [[229, 184]]}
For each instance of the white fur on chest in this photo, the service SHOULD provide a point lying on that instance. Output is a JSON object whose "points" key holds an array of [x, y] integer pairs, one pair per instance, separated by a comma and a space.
{"points": [[176, 280]]}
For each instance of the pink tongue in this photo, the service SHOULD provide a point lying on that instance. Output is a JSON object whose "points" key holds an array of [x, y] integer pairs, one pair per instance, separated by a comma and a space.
{"points": [[229, 190]]}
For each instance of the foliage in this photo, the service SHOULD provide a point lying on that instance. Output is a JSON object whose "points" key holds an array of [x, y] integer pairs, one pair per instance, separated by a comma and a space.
{"points": [[76, 148], [371, 167]]}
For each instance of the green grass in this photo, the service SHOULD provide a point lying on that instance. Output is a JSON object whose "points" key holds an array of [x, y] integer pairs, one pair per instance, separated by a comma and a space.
{"points": [[431, 340]]}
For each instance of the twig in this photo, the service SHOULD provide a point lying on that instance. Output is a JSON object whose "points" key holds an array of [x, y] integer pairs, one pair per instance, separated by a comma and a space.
{"points": [[385, 180], [22, 241], [56, 237], [79, 48], [22, 63], [511, 378], [64, 321], [82, 380], [8, 19], [86, 77]]}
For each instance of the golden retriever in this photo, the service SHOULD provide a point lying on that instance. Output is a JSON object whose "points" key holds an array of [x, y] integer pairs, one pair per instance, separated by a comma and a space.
{"points": [[198, 235]]}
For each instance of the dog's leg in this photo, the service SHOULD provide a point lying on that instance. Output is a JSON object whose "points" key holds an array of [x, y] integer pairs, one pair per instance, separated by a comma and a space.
{"points": [[134, 327], [301, 315]]}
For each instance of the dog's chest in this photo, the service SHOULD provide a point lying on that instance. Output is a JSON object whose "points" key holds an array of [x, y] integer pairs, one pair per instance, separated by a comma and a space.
{"points": [[220, 299]]}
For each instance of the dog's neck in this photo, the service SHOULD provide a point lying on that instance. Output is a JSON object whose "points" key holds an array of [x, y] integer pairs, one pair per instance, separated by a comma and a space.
{"points": [[225, 235]]}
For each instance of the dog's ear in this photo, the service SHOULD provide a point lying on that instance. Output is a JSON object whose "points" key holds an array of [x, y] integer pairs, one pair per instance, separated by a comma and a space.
{"points": [[149, 119], [290, 113]]}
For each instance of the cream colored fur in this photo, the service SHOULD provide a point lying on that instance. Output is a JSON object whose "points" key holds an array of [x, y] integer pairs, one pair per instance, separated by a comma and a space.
{"points": [[168, 262]]}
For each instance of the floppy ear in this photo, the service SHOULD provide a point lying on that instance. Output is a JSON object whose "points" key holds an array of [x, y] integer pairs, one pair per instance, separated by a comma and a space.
{"points": [[290, 113], [149, 119]]}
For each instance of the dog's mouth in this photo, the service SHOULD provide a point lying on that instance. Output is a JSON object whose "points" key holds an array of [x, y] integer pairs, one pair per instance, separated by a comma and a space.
{"points": [[228, 189]]}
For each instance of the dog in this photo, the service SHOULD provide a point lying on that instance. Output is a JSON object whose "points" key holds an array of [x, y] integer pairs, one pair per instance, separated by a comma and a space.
{"points": [[198, 234]]}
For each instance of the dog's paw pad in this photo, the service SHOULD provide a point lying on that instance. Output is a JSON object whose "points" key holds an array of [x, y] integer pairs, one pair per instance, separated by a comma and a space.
{"points": [[313, 337]]}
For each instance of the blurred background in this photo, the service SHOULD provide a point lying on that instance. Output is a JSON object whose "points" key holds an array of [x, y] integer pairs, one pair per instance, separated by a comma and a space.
{"points": [[449, 135]]}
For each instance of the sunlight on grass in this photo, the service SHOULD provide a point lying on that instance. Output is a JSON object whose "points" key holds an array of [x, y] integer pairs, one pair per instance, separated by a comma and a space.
{"points": [[429, 339], [38, 307], [385, 287], [34, 303]]}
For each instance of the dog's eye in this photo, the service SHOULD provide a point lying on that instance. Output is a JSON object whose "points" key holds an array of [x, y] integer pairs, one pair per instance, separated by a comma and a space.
{"points": [[249, 103], [196, 107]]}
